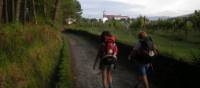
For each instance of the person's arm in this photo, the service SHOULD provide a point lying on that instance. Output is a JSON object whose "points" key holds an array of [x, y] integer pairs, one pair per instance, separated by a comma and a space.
{"points": [[154, 46], [96, 59], [116, 52], [155, 49], [134, 51], [130, 55]]}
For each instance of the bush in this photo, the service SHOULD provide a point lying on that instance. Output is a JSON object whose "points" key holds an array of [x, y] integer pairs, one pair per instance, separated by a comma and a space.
{"points": [[28, 55]]}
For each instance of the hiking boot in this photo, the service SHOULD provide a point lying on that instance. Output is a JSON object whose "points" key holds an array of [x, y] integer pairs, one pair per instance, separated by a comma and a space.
{"points": [[110, 86], [136, 86]]}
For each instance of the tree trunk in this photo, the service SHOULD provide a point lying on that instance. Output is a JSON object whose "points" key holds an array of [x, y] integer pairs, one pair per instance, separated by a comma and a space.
{"points": [[25, 11], [34, 11], [18, 10], [55, 13], [6, 10], [13, 10], [1, 10], [45, 8]]}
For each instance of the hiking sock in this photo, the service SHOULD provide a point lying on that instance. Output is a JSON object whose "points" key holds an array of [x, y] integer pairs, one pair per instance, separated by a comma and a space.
{"points": [[110, 85]]}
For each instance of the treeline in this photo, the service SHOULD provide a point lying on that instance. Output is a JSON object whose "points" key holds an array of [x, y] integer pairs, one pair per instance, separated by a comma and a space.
{"points": [[35, 11], [184, 23], [98, 23], [187, 22]]}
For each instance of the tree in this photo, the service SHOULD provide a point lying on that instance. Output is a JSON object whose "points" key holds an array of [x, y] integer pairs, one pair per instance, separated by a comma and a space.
{"points": [[25, 11], [188, 26], [5, 11], [56, 8], [45, 8], [78, 10], [141, 22], [34, 12], [1, 10], [72, 9], [30, 10], [18, 7], [13, 10]]}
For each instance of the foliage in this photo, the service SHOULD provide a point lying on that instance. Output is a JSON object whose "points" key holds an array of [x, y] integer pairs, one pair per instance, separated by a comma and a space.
{"points": [[28, 56], [66, 77], [72, 9], [37, 11], [188, 25], [190, 21]]}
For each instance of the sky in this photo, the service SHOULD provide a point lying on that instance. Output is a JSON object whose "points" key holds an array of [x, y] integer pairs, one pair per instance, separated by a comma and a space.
{"points": [[135, 8]]}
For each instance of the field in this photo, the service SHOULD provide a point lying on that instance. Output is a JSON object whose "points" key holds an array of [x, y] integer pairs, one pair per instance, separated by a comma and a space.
{"points": [[174, 44]]}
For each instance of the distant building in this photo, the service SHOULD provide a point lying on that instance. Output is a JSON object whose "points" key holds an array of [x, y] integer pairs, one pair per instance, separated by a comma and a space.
{"points": [[70, 20], [113, 17]]}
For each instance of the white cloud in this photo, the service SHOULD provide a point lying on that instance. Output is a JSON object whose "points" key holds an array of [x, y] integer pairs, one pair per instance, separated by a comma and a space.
{"points": [[140, 7]]}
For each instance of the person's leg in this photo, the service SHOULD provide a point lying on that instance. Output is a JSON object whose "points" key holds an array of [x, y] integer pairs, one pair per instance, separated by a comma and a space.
{"points": [[143, 76], [104, 78], [109, 75], [145, 80]]}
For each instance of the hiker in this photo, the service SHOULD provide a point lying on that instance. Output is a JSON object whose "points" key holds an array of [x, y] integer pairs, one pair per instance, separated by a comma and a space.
{"points": [[107, 54], [143, 53]]}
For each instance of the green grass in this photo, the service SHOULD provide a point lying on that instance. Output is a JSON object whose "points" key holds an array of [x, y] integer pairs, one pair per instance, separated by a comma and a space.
{"points": [[65, 73], [177, 45], [123, 35], [170, 43], [28, 55]]}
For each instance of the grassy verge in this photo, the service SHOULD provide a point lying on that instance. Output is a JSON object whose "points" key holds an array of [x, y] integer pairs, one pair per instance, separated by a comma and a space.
{"points": [[65, 73], [170, 43], [28, 55]]}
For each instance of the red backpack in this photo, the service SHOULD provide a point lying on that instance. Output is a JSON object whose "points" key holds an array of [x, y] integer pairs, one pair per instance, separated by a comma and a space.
{"points": [[109, 47]]}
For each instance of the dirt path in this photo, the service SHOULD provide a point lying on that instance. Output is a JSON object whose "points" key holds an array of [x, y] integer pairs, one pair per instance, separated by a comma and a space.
{"points": [[84, 52]]}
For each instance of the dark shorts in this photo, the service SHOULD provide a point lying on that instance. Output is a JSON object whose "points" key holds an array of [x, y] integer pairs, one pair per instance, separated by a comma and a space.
{"points": [[106, 63], [142, 69]]}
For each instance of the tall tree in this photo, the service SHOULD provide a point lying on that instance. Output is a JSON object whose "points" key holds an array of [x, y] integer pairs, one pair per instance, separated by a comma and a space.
{"points": [[30, 10], [34, 11], [25, 11], [18, 7], [45, 8], [5, 10], [1, 9], [188, 26], [56, 8], [72, 9], [13, 10]]}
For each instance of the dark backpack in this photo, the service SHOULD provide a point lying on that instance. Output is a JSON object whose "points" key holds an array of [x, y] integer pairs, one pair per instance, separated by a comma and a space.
{"points": [[146, 51]]}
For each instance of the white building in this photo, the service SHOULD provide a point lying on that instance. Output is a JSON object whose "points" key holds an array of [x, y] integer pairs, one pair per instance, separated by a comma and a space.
{"points": [[113, 17], [70, 20]]}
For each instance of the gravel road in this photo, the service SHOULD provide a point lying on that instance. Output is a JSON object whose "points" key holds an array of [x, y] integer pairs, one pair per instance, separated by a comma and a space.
{"points": [[84, 53]]}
